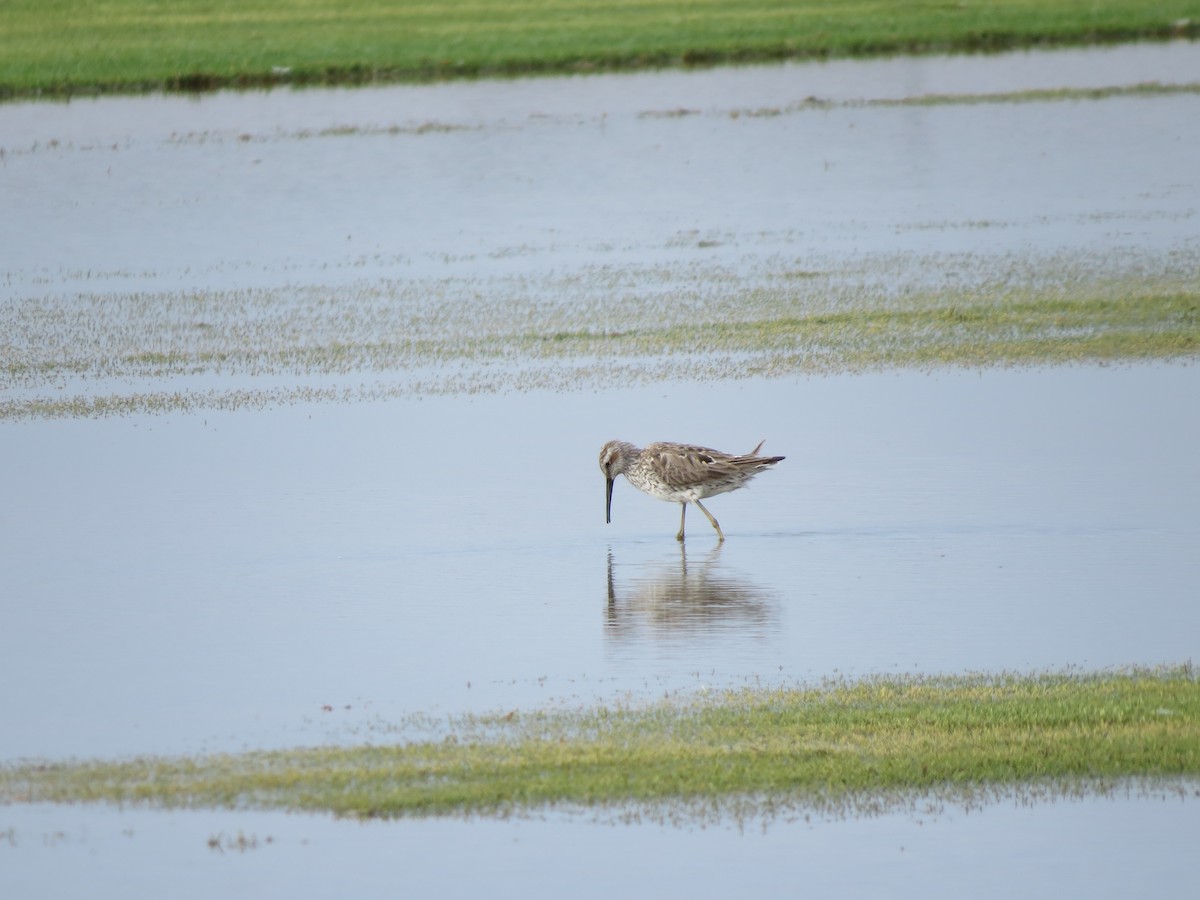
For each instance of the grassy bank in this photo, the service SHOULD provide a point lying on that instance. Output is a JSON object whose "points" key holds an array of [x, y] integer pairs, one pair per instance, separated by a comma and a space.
{"points": [[838, 747], [64, 47]]}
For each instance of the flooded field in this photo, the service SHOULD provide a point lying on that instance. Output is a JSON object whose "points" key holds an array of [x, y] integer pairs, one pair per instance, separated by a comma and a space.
{"points": [[220, 535], [256, 249]]}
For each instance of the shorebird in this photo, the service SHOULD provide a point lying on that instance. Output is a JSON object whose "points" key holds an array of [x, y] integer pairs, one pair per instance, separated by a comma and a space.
{"points": [[679, 473]]}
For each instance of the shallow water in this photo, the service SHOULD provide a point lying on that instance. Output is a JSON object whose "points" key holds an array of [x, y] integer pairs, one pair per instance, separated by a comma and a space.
{"points": [[185, 583], [540, 177], [1122, 847], [221, 580]]}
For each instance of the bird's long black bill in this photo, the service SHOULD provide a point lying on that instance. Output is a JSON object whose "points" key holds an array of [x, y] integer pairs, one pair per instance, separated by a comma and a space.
{"points": [[608, 503]]}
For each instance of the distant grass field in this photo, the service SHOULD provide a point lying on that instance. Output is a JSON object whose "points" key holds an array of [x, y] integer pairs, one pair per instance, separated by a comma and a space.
{"points": [[840, 748], [64, 47]]}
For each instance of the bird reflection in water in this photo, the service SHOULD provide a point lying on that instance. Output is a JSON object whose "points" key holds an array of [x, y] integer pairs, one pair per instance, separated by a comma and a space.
{"points": [[693, 595]]}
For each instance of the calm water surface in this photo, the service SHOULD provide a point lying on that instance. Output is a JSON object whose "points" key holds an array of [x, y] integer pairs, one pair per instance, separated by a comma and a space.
{"points": [[189, 583], [540, 177], [313, 573], [1110, 848]]}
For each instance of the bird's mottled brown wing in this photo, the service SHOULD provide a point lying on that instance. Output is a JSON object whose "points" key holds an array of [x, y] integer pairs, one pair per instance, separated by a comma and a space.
{"points": [[685, 465]]}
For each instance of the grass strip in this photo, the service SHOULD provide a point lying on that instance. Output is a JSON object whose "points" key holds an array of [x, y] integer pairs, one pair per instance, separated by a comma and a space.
{"points": [[65, 47], [842, 745], [1003, 329]]}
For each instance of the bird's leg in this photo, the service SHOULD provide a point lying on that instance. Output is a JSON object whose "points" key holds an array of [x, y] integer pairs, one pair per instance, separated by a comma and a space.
{"points": [[720, 534], [682, 516]]}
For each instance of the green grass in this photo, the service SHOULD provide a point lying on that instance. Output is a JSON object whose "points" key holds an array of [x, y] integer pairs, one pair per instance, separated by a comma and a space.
{"points": [[841, 746], [993, 330], [63, 47]]}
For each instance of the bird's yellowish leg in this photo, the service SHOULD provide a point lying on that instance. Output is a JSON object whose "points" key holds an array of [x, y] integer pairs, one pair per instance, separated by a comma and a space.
{"points": [[682, 516], [720, 534]]}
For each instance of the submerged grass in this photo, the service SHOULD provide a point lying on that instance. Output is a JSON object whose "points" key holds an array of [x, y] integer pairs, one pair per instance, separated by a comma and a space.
{"points": [[64, 47], [838, 747], [83, 355]]}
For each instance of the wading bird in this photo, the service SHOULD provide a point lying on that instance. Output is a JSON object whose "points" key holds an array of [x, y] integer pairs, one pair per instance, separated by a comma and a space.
{"points": [[679, 473]]}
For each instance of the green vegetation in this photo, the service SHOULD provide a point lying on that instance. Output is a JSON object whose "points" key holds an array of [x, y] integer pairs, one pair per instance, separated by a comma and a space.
{"points": [[838, 747], [111, 353], [1148, 89], [63, 47]]}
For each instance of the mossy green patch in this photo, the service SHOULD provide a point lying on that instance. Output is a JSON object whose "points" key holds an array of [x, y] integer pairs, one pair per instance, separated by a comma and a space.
{"points": [[843, 745]]}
